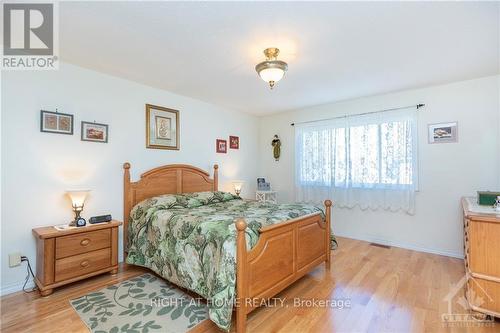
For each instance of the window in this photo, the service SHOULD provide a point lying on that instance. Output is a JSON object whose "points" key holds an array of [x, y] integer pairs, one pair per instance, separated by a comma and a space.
{"points": [[357, 158]]}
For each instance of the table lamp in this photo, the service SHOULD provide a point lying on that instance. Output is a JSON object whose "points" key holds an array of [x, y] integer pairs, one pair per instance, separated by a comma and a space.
{"points": [[78, 200], [237, 185]]}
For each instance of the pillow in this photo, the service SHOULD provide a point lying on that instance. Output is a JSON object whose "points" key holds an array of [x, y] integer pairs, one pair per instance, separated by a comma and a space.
{"points": [[186, 200], [198, 199], [167, 200]]}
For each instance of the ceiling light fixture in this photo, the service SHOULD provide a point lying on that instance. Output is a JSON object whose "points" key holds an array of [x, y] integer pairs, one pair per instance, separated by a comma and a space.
{"points": [[272, 70]]}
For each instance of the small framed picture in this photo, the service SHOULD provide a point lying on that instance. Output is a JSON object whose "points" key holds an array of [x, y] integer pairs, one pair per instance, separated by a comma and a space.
{"points": [[94, 132], [443, 132], [234, 142], [56, 122], [221, 146], [162, 128]]}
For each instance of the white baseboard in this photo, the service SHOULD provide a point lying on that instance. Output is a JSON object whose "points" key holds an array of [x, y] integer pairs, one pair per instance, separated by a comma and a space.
{"points": [[15, 287], [407, 246]]}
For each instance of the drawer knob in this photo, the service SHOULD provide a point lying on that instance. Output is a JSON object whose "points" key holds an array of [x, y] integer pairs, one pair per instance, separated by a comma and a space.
{"points": [[85, 242], [84, 263]]}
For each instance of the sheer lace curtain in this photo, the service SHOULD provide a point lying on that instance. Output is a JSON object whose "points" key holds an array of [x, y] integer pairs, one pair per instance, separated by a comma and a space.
{"points": [[368, 161]]}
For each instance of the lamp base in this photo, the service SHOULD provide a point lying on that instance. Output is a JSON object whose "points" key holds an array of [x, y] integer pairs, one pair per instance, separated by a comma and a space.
{"points": [[77, 210]]}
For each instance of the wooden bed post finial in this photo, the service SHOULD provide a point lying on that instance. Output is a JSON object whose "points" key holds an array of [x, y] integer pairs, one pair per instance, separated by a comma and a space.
{"points": [[126, 175], [241, 225], [241, 276], [216, 177], [328, 217]]}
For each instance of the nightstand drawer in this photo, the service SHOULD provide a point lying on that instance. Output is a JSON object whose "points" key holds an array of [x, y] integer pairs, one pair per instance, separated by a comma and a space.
{"points": [[82, 264], [71, 245]]}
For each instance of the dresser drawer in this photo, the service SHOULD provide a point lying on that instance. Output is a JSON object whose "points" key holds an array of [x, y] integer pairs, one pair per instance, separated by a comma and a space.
{"points": [[81, 243], [74, 266]]}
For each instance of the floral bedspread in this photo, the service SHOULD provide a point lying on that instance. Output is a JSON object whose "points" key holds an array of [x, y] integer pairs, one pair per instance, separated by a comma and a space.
{"points": [[190, 240]]}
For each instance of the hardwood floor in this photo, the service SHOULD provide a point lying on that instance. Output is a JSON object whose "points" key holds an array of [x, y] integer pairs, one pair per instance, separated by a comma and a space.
{"points": [[389, 290]]}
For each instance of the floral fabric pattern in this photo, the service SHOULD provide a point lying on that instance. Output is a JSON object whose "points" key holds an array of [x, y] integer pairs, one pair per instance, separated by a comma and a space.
{"points": [[190, 240]]}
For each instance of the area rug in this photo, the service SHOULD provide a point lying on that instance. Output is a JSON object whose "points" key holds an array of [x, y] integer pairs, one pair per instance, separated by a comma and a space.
{"points": [[142, 304]]}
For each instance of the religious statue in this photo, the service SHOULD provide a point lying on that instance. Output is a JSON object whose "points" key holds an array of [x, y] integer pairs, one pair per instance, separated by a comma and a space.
{"points": [[276, 143]]}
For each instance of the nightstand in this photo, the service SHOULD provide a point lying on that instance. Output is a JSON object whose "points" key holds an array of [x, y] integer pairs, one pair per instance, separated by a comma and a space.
{"points": [[65, 256]]}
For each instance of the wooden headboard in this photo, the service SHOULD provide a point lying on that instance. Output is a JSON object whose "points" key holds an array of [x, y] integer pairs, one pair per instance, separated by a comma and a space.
{"points": [[167, 179]]}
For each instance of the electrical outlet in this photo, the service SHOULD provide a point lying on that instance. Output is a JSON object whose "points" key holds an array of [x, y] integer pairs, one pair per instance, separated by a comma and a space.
{"points": [[14, 259]]}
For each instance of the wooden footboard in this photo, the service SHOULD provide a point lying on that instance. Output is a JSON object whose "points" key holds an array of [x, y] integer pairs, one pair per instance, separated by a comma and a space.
{"points": [[284, 253]]}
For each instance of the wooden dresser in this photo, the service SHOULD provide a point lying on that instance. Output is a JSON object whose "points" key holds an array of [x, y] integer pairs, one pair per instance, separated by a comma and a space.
{"points": [[482, 260], [74, 254]]}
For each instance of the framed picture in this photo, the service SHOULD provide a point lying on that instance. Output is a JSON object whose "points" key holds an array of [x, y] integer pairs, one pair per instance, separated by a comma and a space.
{"points": [[162, 128], [56, 122], [262, 185], [221, 146], [94, 132], [234, 142], [443, 132]]}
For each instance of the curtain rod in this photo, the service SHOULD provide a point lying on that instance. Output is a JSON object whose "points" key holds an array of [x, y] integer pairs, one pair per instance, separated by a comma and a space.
{"points": [[418, 106]]}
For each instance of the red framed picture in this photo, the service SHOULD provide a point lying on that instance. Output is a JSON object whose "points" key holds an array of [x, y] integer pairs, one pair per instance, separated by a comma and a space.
{"points": [[234, 142], [221, 146]]}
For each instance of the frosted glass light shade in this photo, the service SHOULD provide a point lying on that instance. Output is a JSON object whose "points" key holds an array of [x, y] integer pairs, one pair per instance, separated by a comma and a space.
{"points": [[272, 74], [78, 197]]}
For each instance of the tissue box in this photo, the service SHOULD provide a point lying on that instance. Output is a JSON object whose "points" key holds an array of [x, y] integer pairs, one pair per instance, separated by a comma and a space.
{"points": [[487, 198]]}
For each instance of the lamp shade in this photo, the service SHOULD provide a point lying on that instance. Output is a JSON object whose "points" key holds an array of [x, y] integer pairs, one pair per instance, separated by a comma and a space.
{"points": [[78, 196]]}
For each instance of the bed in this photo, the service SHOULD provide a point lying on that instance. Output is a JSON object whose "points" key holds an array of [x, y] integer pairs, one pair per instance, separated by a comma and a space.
{"points": [[245, 260]]}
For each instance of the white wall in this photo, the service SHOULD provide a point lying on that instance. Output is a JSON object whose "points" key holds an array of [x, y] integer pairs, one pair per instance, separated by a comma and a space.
{"points": [[38, 167], [447, 171]]}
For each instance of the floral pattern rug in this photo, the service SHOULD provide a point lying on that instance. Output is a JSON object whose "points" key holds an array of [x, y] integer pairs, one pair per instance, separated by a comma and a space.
{"points": [[142, 304]]}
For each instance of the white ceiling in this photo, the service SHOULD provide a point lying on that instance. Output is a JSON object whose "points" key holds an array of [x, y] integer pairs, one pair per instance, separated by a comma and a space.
{"points": [[335, 50]]}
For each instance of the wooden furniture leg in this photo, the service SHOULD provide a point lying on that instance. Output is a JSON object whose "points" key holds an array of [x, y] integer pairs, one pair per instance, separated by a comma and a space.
{"points": [[328, 214], [46, 292], [241, 276]]}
